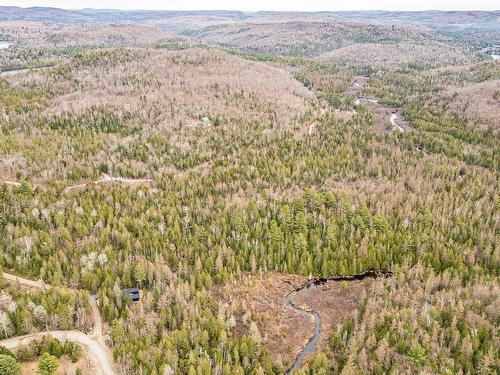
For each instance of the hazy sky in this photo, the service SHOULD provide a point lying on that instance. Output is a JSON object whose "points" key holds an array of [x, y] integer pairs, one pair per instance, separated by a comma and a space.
{"points": [[303, 5]]}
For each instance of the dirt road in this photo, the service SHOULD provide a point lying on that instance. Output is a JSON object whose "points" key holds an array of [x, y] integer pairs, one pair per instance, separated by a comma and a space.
{"points": [[39, 284], [94, 343], [98, 355], [109, 179], [104, 179], [11, 183], [9, 72]]}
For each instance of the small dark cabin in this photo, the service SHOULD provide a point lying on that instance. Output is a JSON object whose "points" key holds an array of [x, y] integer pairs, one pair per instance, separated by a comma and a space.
{"points": [[133, 293]]}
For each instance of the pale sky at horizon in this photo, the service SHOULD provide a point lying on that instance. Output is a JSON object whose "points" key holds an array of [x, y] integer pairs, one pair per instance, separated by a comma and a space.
{"points": [[255, 5]]}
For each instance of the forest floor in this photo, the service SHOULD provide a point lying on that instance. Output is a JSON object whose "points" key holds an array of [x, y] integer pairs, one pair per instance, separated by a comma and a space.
{"points": [[283, 331], [66, 367]]}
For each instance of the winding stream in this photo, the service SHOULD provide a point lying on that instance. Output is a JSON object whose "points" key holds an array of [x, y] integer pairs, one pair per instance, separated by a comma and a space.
{"points": [[310, 347], [393, 119], [312, 343]]}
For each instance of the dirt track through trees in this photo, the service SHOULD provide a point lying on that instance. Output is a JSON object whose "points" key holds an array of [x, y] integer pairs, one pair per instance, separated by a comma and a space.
{"points": [[103, 180], [95, 343]]}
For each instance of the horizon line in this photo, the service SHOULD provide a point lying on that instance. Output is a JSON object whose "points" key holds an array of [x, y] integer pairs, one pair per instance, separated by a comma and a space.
{"points": [[252, 11]]}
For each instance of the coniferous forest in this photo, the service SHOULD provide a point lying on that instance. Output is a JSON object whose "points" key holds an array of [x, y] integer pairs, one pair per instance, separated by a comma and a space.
{"points": [[184, 163]]}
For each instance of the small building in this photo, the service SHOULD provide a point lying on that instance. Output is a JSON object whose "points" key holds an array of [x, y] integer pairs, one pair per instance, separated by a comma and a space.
{"points": [[133, 293]]}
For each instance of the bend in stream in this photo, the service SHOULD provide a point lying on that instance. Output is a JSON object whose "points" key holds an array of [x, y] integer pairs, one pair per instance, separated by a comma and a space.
{"points": [[310, 347], [393, 119], [312, 343]]}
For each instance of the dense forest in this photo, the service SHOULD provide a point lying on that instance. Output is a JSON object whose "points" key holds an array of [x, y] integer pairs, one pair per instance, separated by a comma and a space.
{"points": [[249, 163]]}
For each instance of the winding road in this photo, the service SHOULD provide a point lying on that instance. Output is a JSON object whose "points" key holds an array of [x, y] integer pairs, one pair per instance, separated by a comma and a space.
{"points": [[9, 72], [109, 179], [94, 343], [97, 354], [105, 178]]}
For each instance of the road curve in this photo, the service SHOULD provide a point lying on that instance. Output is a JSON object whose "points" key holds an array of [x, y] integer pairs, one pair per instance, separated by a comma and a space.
{"points": [[97, 353], [393, 119], [94, 343]]}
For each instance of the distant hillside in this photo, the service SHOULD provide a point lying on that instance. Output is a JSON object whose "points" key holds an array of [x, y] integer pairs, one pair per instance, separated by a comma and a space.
{"points": [[480, 27], [364, 44], [41, 34], [108, 15], [437, 20], [301, 38], [39, 13]]}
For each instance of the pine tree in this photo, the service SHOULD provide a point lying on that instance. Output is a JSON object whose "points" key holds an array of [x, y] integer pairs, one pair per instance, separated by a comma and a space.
{"points": [[48, 364], [139, 274], [9, 365]]}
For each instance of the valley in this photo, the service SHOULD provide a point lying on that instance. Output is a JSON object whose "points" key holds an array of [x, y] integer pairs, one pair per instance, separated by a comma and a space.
{"points": [[211, 192]]}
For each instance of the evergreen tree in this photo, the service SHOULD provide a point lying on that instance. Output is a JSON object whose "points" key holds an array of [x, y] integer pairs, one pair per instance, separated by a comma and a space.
{"points": [[48, 364], [9, 365]]}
